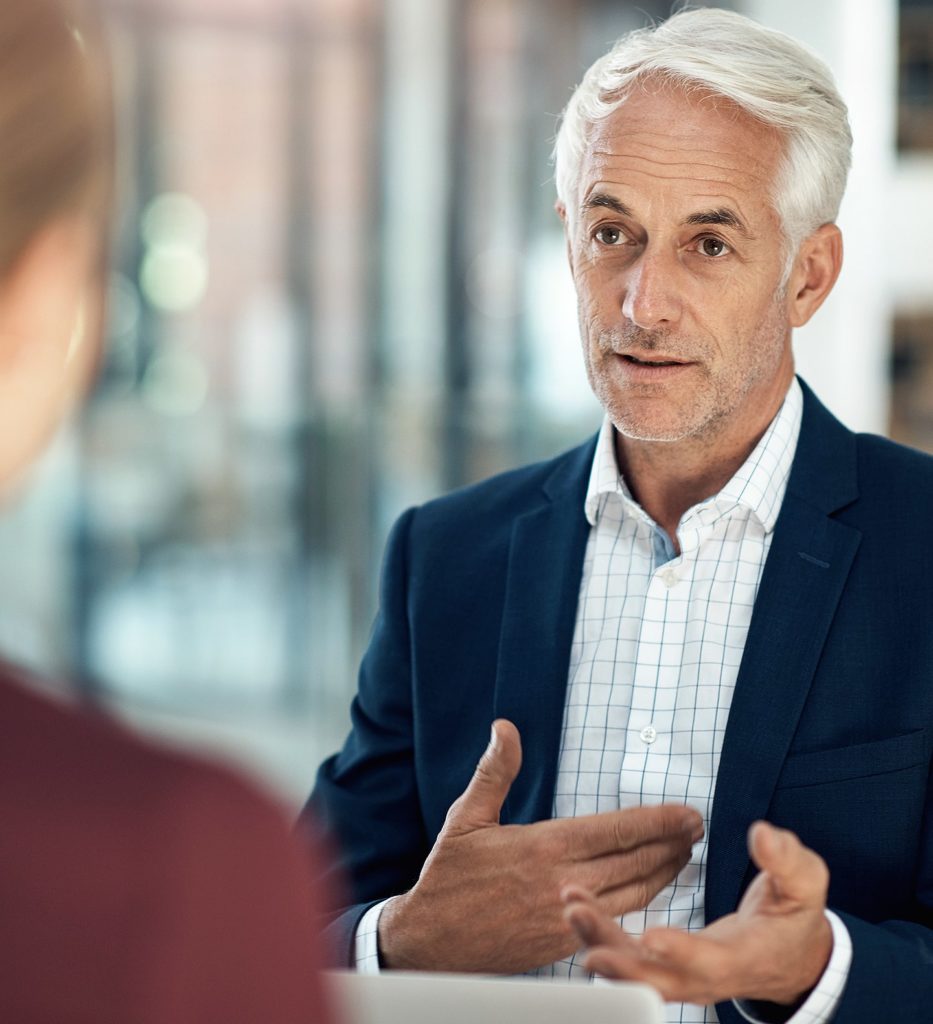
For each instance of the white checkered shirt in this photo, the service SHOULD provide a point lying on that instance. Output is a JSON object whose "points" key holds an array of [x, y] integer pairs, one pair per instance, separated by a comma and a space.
{"points": [[655, 655]]}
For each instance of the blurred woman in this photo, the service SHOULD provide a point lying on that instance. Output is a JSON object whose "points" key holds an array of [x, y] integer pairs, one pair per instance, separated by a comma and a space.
{"points": [[135, 885]]}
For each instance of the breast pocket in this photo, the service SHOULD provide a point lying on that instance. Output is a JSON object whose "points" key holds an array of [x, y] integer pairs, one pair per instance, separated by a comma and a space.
{"points": [[879, 757], [861, 808]]}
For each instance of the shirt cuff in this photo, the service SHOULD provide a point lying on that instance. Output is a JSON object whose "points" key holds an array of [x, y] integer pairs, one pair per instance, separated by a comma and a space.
{"points": [[366, 940], [821, 1003]]}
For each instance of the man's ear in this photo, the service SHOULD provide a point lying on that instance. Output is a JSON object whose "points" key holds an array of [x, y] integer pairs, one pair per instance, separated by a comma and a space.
{"points": [[815, 271]]}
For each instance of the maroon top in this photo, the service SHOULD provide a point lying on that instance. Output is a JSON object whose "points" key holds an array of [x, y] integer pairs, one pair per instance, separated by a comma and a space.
{"points": [[142, 887]]}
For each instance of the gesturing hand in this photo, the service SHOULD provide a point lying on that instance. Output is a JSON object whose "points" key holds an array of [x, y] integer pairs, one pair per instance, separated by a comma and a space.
{"points": [[774, 947], [488, 898]]}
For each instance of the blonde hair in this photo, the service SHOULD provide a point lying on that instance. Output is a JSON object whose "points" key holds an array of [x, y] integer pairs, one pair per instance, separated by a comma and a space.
{"points": [[766, 73], [55, 120]]}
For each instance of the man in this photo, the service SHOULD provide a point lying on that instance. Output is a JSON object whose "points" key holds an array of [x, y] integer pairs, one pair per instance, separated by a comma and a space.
{"points": [[718, 605]]}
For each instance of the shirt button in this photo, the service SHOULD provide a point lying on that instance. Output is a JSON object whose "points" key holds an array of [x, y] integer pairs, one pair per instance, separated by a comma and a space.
{"points": [[669, 578], [649, 734]]}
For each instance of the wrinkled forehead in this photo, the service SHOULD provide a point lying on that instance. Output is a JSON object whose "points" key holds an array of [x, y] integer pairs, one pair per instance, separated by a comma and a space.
{"points": [[686, 143]]}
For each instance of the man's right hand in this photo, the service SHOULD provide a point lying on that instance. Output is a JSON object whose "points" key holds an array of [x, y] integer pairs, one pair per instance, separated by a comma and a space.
{"points": [[488, 898]]}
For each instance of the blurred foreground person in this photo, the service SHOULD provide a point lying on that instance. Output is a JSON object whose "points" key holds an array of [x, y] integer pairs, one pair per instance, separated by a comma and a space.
{"points": [[135, 885]]}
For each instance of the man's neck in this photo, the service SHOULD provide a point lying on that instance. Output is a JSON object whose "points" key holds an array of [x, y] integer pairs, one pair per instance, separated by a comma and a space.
{"points": [[668, 478]]}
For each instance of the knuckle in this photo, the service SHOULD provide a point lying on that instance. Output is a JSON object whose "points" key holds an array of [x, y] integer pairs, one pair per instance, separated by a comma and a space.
{"points": [[820, 871], [537, 847], [642, 861], [629, 829], [641, 894], [552, 850], [634, 896], [485, 770], [717, 973], [453, 812]]}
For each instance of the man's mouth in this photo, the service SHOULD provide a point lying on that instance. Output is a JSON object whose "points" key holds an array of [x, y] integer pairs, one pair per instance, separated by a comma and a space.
{"points": [[640, 361]]}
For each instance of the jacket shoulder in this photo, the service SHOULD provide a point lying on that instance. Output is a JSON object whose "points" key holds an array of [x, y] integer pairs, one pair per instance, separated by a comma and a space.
{"points": [[895, 499], [897, 463]]}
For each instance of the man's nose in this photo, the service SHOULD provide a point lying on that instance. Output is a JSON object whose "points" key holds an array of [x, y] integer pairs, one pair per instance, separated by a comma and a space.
{"points": [[651, 299]]}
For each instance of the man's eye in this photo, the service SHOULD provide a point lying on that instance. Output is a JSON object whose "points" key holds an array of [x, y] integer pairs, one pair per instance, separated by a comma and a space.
{"points": [[712, 246], [609, 236]]}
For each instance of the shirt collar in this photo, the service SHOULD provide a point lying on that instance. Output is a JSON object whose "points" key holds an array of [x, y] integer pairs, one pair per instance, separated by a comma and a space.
{"points": [[758, 485]]}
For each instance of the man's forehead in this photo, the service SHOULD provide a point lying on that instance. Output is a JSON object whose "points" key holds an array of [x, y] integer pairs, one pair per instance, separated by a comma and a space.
{"points": [[706, 161], [732, 197], [682, 139]]}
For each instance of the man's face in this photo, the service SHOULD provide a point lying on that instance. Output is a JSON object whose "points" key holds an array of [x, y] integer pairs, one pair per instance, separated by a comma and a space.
{"points": [[677, 257]]}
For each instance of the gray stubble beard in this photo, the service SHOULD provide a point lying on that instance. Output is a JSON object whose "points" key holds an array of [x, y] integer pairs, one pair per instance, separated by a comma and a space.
{"points": [[765, 359]]}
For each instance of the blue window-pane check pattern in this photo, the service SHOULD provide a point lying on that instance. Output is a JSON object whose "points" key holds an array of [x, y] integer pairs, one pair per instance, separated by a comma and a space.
{"points": [[657, 645]]}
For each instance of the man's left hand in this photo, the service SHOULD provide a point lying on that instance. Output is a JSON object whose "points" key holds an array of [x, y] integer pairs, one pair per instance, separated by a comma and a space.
{"points": [[774, 947]]}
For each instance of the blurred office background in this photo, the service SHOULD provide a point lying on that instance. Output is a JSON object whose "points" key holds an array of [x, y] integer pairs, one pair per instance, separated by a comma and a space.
{"points": [[339, 288]]}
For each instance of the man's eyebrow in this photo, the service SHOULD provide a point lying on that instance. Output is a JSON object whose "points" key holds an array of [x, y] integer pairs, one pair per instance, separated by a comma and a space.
{"points": [[722, 216], [603, 199]]}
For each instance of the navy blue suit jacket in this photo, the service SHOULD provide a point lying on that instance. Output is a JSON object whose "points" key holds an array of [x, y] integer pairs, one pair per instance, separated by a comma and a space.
{"points": [[831, 726]]}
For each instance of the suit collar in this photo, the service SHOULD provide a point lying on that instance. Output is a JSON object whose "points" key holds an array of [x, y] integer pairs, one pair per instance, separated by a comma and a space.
{"points": [[571, 473], [758, 485], [825, 470]]}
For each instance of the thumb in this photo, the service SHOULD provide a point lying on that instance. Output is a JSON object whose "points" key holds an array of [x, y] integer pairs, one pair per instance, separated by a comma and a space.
{"points": [[481, 802], [796, 872]]}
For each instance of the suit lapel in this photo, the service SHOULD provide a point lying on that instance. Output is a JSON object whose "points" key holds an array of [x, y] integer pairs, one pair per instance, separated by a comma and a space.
{"points": [[804, 576], [544, 571]]}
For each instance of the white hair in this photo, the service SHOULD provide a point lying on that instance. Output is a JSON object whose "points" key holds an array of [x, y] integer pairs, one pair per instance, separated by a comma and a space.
{"points": [[766, 73]]}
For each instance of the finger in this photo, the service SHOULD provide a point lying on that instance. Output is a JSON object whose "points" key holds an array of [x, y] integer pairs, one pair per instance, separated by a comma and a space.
{"points": [[679, 950], [682, 967], [638, 894], [616, 831], [632, 965], [613, 870], [696, 968], [796, 872], [481, 802], [615, 954], [594, 927]]}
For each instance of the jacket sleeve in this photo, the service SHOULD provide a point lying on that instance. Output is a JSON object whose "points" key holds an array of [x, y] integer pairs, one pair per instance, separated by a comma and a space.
{"points": [[366, 796], [891, 976]]}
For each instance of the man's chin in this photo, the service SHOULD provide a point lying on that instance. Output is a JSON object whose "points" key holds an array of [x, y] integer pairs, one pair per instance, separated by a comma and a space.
{"points": [[655, 429], [652, 435], [664, 416]]}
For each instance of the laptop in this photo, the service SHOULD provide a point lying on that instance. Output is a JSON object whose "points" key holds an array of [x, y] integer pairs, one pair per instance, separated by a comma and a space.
{"points": [[403, 997]]}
